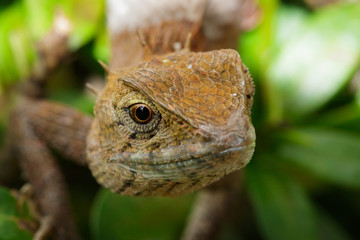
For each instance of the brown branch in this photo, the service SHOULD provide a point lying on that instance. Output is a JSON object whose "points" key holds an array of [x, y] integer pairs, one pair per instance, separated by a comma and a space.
{"points": [[211, 208]]}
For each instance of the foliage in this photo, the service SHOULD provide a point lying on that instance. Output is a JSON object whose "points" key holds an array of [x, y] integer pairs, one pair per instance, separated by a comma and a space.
{"points": [[304, 71], [152, 218], [11, 217], [304, 179], [25, 22]]}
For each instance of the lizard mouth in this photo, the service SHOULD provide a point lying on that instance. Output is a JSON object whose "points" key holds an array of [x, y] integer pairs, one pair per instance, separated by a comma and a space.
{"points": [[163, 158], [208, 159]]}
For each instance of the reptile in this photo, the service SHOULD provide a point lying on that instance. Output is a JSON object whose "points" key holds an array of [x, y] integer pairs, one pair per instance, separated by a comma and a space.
{"points": [[173, 124], [164, 125]]}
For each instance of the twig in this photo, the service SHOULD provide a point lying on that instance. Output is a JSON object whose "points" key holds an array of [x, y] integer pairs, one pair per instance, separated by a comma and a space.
{"points": [[211, 208]]}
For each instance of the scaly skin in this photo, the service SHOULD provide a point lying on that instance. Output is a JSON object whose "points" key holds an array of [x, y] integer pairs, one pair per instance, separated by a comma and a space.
{"points": [[201, 129]]}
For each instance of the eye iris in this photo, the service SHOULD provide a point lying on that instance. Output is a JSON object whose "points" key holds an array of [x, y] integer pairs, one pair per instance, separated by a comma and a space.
{"points": [[141, 113]]}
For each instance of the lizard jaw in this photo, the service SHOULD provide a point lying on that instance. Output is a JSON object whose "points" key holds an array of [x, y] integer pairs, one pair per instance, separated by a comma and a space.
{"points": [[183, 155], [167, 168], [166, 174], [197, 162]]}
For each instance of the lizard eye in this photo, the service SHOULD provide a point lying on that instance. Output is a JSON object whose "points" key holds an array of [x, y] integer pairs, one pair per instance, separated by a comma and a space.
{"points": [[141, 113], [137, 114]]}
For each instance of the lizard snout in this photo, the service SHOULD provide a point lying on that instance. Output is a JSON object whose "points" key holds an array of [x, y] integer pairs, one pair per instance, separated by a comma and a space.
{"points": [[236, 132]]}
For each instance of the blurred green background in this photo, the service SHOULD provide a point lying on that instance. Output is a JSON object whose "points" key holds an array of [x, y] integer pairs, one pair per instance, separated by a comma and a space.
{"points": [[304, 179]]}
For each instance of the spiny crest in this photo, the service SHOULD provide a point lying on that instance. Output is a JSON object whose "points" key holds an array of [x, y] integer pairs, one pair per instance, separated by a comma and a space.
{"points": [[187, 44], [92, 89], [147, 50], [104, 66], [177, 45]]}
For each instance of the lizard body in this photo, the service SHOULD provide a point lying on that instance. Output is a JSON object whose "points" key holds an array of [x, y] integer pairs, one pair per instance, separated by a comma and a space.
{"points": [[169, 125]]}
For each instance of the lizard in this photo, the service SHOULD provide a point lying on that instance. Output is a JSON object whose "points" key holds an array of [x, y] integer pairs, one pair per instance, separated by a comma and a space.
{"points": [[171, 124]]}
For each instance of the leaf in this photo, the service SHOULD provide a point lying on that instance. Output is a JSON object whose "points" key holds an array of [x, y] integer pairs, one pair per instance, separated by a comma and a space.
{"points": [[76, 99], [122, 217], [316, 58], [9, 228], [7, 202], [254, 45], [282, 208], [346, 117], [255, 48], [39, 16], [25, 22], [329, 229], [101, 49], [16, 48], [357, 96], [84, 16], [331, 155]]}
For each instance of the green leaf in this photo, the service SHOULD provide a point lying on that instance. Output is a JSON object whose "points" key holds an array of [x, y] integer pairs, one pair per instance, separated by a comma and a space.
{"points": [[282, 208], [101, 49], [39, 16], [25, 22], [346, 117], [329, 229], [76, 99], [84, 16], [122, 217], [9, 217], [357, 96], [7, 202], [316, 57], [9, 229], [256, 49], [16, 46], [329, 154], [254, 45]]}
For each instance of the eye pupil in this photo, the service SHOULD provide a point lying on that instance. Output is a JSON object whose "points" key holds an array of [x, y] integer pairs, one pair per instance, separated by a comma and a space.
{"points": [[141, 113]]}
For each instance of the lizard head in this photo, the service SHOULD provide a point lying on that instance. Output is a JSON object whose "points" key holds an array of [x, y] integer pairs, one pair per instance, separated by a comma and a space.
{"points": [[173, 124]]}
